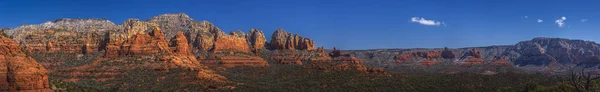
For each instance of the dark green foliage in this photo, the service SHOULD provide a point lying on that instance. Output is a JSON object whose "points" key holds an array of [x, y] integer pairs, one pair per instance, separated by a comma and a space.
{"points": [[72, 87], [283, 78], [4, 34]]}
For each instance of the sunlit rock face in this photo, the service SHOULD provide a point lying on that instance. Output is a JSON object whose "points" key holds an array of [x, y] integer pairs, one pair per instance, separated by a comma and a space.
{"points": [[201, 35], [256, 39], [64, 35], [282, 40], [18, 71]]}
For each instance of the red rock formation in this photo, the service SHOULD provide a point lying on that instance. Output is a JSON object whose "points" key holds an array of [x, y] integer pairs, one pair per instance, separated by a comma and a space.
{"points": [[141, 51], [232, 50], [321, 49], [404, 57], [140, 44], [282, 40], [230, 43], [472, 57], [347, 62], [18, 71], [297, 57], [472, 61], [181, 45], [256, 39]]}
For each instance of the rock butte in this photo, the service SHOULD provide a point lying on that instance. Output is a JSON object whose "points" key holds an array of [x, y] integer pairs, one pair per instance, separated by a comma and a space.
{"points": [[282, 40]]}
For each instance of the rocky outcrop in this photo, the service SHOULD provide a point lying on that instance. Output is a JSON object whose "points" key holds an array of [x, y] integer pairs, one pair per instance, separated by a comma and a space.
{"points": [[142, 51], [471, 53], [135, 37], [128, 29], [425, 58], [18, 71], [282, 40], [232, 50], [256, 39], [348, 62], [180, 45], [234, 42], [201, 35], [471, 57], [153, 44], [447, 54], [321, 49], [297, 57], [64, 35], [139, 44]]}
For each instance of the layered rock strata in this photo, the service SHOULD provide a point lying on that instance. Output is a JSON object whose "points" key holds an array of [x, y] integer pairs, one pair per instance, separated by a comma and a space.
{"points": [[18, 71]]}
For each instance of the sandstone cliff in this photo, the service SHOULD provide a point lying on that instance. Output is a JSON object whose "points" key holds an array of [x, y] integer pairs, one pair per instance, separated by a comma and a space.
{"points": [[233, 50], [201, 35], [18, 71], [65, 35], [139, 44], [256, 39]]}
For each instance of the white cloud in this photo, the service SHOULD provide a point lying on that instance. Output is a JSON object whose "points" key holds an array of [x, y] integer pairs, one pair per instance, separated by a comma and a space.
{"points": [[423, 21], [561, 22], [526, 16], [540, 20], [584, 20]]}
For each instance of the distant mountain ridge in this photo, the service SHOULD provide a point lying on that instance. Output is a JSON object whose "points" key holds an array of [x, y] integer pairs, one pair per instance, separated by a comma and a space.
{"points": [[540, 51]]}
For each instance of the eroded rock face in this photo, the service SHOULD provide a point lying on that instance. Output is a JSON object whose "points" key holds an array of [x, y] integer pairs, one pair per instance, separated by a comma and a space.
{"points": [[321, 49], [348, 62], [180, 45], [64, 35], [234, 42], [297, 57], [282, 40], [425, 58], [472, 57], [256, 39], [232, 50], [18, 71], [147, 51], [140, 44], [544, 51], [128, 29], [201, 35]]}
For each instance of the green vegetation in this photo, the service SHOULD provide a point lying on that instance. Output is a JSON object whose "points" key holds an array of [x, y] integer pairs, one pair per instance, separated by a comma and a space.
{"points": [[306, 77], [4, 34]]}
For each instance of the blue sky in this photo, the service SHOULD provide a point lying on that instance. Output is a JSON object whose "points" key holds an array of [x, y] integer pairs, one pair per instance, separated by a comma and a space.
{"points": [[348, 24]]}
